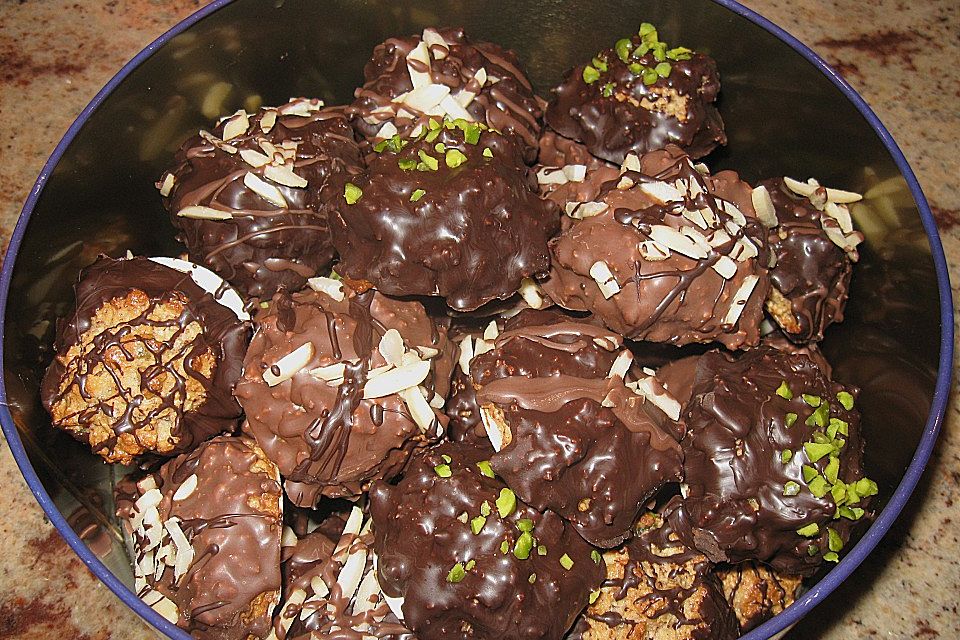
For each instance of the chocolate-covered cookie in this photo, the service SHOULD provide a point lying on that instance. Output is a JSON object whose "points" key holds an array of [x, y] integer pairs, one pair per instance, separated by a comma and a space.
{"points": [[657, 588], [639, 96], [756, 592], [665, 252], [340, 387], [470, 560], [206, 532], [572, 433], [772, 462], [452, 212], [815, 245], [148, 360], [250, 199], [443, 74]]}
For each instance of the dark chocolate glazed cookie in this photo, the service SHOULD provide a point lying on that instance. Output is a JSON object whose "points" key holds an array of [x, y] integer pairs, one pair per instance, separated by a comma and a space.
{"points": [[571, 434], [665, 252], [469, 559], [251, 198], [206, 534], [444, 74], [337, 387], [148, 360], [659, 589], [452, 212], [772, 462], [815, 246], [640, 96]]}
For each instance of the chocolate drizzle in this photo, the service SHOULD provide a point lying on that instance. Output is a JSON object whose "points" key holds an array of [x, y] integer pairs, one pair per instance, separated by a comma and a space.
{"points": [[582, 444], [470, 235], [263, 246], [90, 389], [419, 539], [812, 272], [636, 117], [323, 435], [677, 298]]}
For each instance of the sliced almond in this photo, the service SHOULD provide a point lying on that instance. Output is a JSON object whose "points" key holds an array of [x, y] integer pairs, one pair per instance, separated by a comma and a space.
{"points": [[329, 286], [481, 346], [151, 498], [254, 158], [285, 176], [185, 552], [186, 489], [424, 99], [421, 54], [166, 608], [303, 107], [332, 373], [391, 347], [395, 380], [265, 190], [652, 251], [352, 571], [676, 241], [268, 119], [465, 96], [621, 365], [625, 183], [631, 163], [198, 212], [739, 300], [800, 188], [841, 214], [763, 205], [435, 43], [368, 594], [731, 210], [498, 432], [491, 331], [726, 267], [695, 216], [552, 175], [744, 250], [420, 410], [167, 185], [605, 279], [319, 587], [580, 210], [217, 142], [210, 282], [531, 293], [718, 238], [654, 392], [839, 196], [267, 147], [698, 238], [289, 365], [236, 126], [575, 172], [663, 192], [395, 604], [288, 538], [387, 131], [466, 354]]}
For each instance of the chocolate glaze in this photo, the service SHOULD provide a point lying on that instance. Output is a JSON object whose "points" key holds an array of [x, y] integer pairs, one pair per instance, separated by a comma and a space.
{"points": [[735, 508], [657, 588], [591, 464], [507, 104], [233, 522], [812, 272], [477, 230], [419, 539], [779, 341], [223, 335], [638, 118], [325, 437], [680, 299], [263, 246]]}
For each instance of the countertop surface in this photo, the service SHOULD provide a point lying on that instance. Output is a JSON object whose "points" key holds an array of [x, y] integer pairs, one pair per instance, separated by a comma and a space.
{"points": [[903, 57]]}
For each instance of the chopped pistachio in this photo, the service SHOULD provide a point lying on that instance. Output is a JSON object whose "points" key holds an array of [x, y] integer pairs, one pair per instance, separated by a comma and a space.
{"points": [[440, 147], [457, 573], [566, 562], [647, 30], [812, 400], [822, 438], [352, 193], [532, 578], [831, 556], [443, 470], [595, 556], [470, 564], [416, 195], [264, 305], [851, 513], [434, 125], [623, 48], [594, 595], [833, 427], [815, 451], [839, 493], [834, 541], [845, 399], [506, 502], [607, 90], [786, 456], [488, 153], [428, 161], [866, 487], [525, 525], [649, 76], [476, 525], [463, 517], [485, 508], [818, 486], [485, 468], [663, 69], [600, 64], [809, 473], [471, 134], [454, 158], [407, 164], [813, 550], [679, 53], [852, 496], [832, 470], [504, 547], [790, 418], [791, 488], [842, 427], [819, 416], [541, 550], [523, 546], [809, 531], [635, 68], [784, 391], [432, 135], [590, 74]]}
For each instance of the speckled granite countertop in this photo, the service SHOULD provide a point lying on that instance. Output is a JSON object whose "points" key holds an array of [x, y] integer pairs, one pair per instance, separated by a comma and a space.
{"points": [[893, 52]]}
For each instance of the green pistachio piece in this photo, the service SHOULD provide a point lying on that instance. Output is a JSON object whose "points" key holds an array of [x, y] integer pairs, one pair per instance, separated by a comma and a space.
{"points": [[594, 595], [457, 573], [416, 195], [470, 565], [407, 164], [789, 419], [443, 470], [590, 74], [432, 135], [786, 456], [866, 487], [476, 525], [521, 550], [454, 158], [680, 53], [600, 64], [485, 468], [566, 562], [663, 69], [623, 48], [784, 391], [647, 30], [541, 550], [835, 542], [818, 487], [525, 525], [506, 502], [504, 547], [595, 556], [434, 125], [607, 90], [650, 76], [352, 193], [833, 468], [809, 531], [488, 153], [817, 451], [485, 508], [635, 68], [809, 473], [532, 578], [812, 400], [471, 134], [791, 488], [428, 160], [813, 550], [831, 556], [845, 399]]}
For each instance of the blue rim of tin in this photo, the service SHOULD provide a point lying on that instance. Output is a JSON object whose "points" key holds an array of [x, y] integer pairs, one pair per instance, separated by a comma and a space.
{"points": [[780, 622]]}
